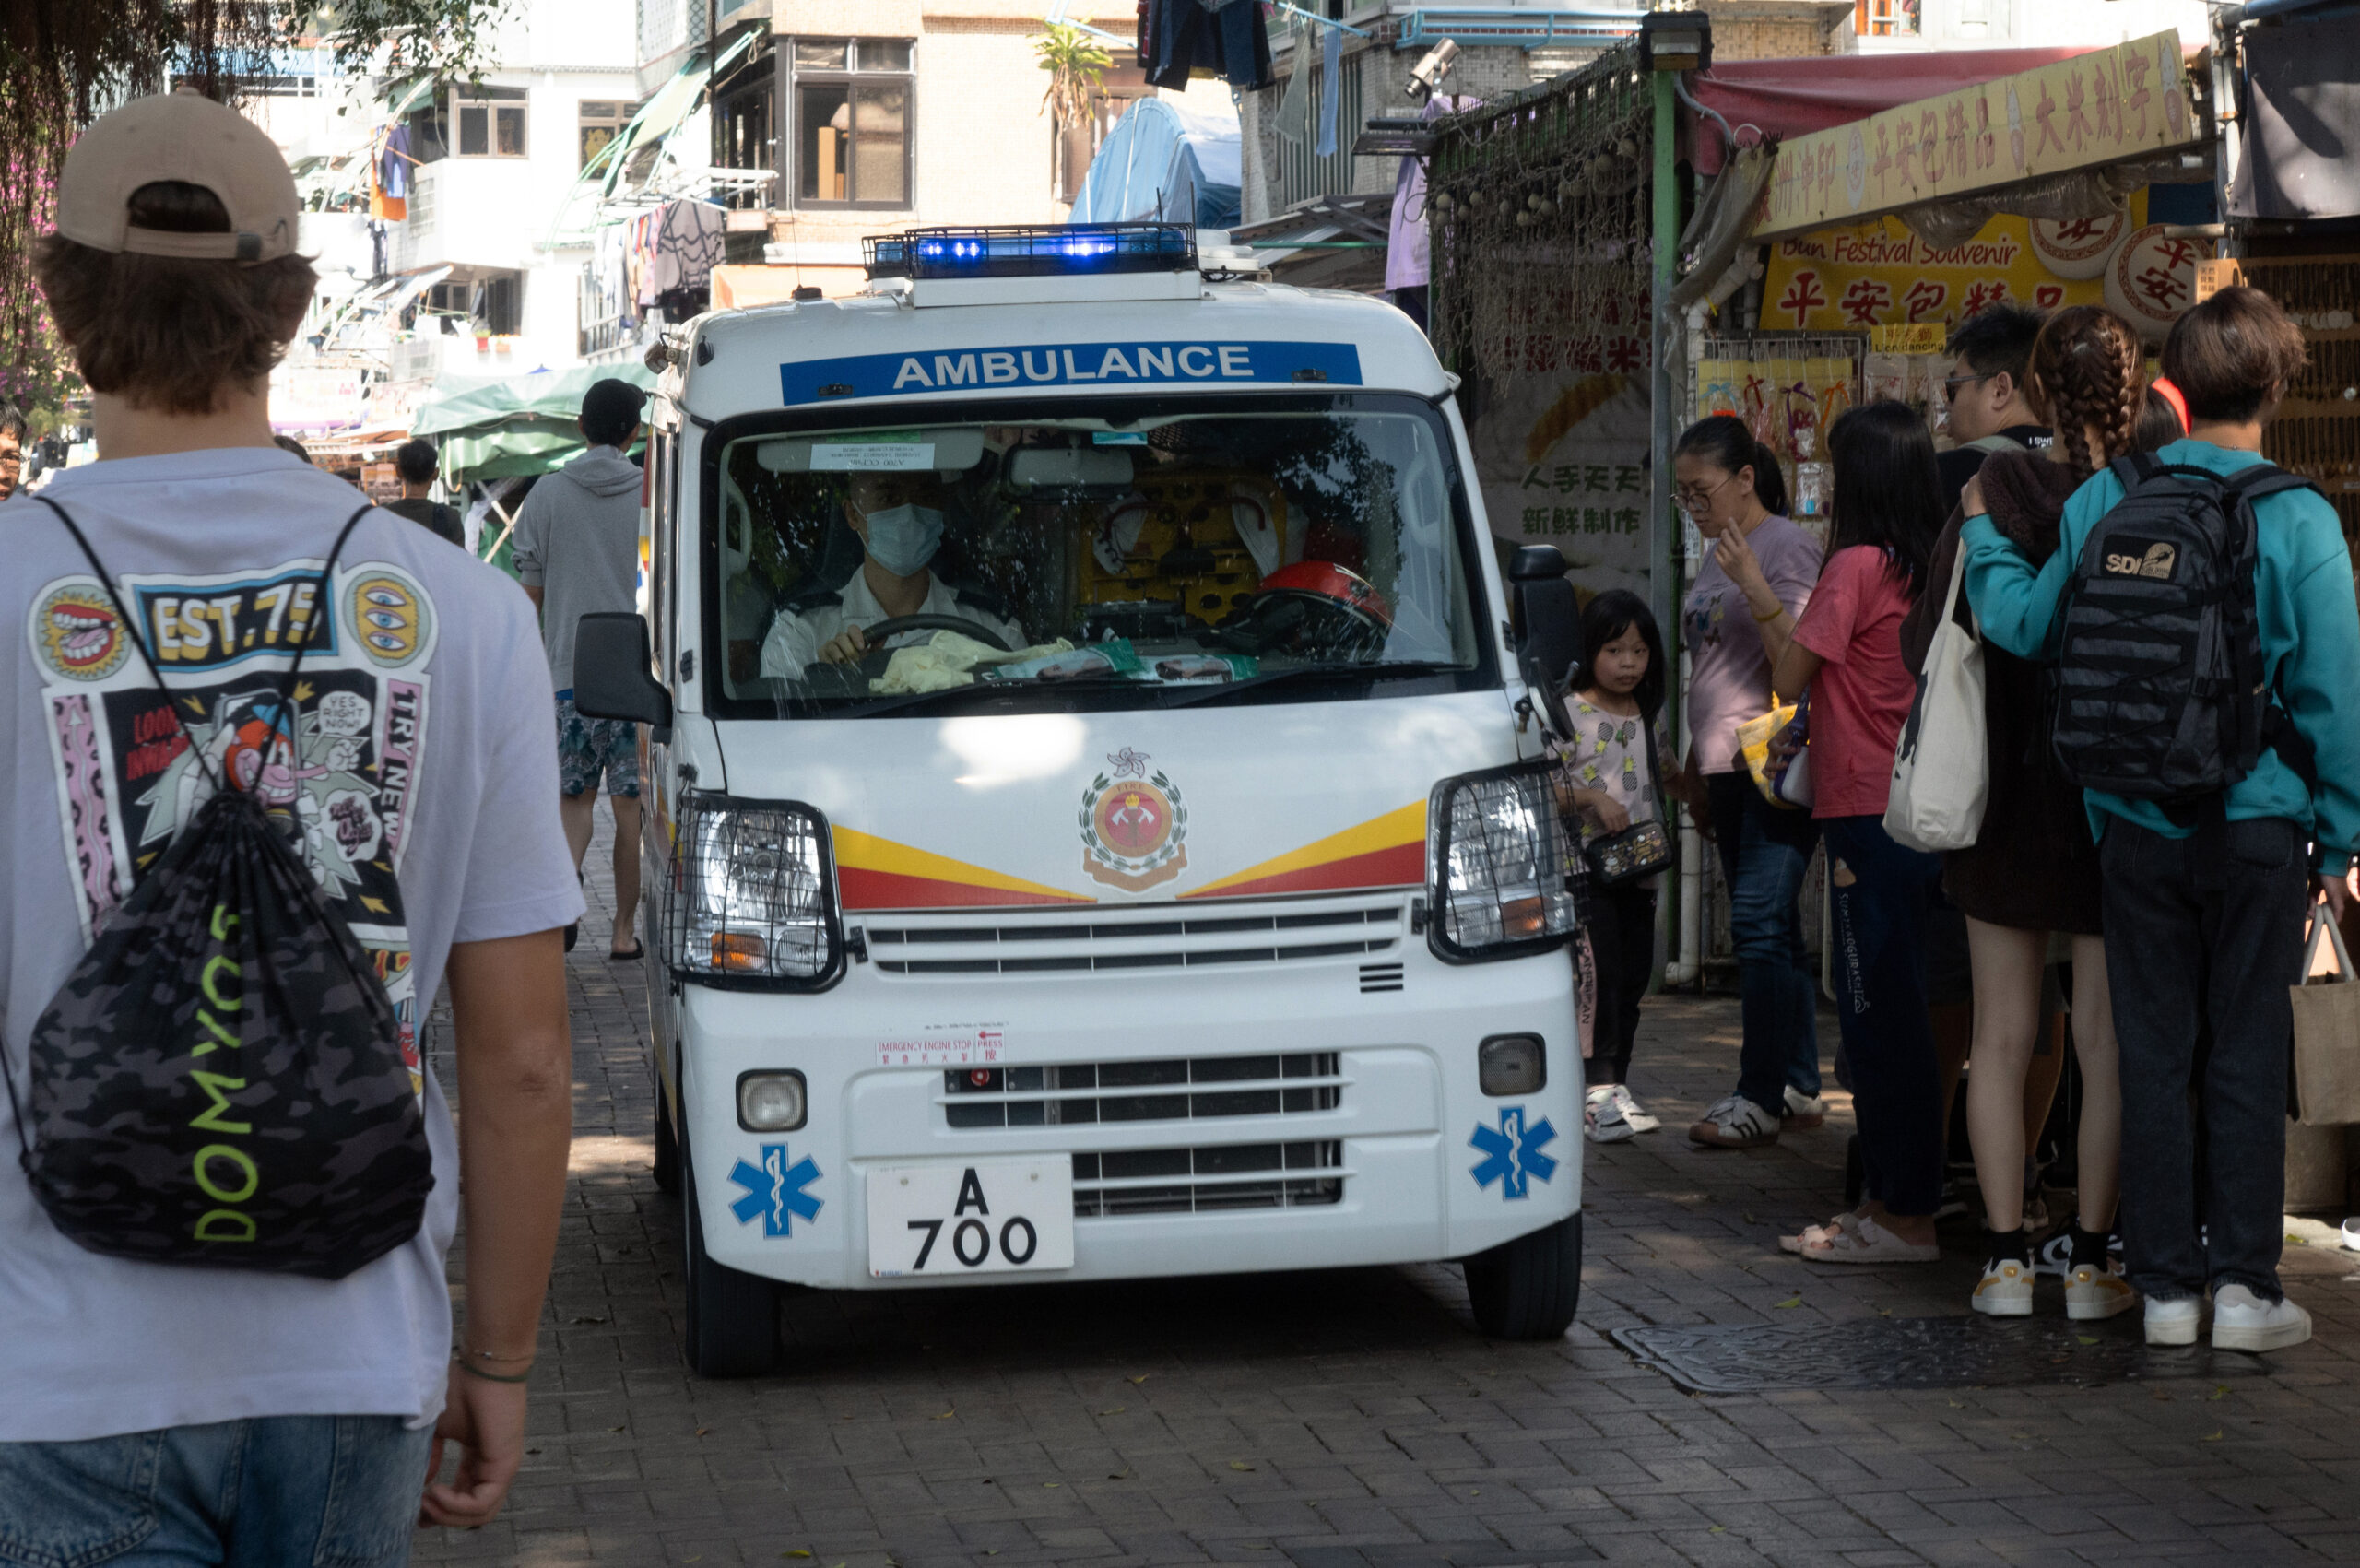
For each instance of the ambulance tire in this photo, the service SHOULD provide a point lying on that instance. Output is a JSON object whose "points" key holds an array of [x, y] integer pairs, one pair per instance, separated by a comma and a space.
{"points": [[667, 1143], [1530, 1288], [730, 1328]]}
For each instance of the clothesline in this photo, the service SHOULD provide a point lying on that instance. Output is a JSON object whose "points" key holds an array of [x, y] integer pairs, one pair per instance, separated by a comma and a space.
{"points": [[1294, 10]]}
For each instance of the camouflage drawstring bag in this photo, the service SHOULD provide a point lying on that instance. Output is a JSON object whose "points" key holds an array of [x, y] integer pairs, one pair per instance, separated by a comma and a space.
{"points": [[220, 1079]]}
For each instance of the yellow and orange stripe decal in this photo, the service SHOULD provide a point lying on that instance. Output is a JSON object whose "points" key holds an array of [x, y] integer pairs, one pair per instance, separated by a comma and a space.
{"points": [[874, 873], [1384, 851]]}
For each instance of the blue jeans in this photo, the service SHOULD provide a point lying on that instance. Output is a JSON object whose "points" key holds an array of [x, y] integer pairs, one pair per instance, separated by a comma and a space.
{"points": [[1763, 852], [1882, 893], [276, 1492]]}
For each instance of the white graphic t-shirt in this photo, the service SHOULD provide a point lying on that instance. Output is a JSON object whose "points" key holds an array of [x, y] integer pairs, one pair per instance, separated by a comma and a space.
{"points": [[422, 766]]}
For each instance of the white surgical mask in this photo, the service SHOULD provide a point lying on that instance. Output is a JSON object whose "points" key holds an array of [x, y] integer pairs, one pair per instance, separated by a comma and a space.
{"points": [[902, 539]]}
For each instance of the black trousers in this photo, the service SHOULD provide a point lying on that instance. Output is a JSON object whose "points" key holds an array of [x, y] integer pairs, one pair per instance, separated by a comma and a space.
{"points": [[2193, 939], [1622, 948]]}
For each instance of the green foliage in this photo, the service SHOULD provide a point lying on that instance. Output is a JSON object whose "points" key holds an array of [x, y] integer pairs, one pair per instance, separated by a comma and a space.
{"points": [[1076, 63], [64, 61]]}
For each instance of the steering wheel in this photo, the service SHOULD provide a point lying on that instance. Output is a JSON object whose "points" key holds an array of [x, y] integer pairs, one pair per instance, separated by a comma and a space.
{"points": [[877, 636], [1302, 623]]}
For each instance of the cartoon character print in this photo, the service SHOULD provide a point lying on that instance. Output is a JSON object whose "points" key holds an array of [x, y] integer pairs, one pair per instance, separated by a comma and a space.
{"points": [[336, 760]]}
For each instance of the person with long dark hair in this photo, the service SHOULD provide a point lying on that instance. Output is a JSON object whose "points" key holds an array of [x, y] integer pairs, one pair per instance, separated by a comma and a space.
{"points": [[1730, 486], [1611, 780], [1847, 653], [2033, 872]]}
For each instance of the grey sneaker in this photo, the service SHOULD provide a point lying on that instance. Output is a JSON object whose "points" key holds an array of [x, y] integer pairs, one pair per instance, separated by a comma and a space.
{"points": [[1801, 1112]]}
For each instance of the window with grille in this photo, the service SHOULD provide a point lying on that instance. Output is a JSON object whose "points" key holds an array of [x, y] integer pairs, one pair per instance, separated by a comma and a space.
{"points": [[854, 105], [1884, 18], [601, 121]]}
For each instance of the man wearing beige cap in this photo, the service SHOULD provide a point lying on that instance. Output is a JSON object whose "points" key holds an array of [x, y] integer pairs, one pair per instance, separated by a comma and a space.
{"points": [[192, 1403]]}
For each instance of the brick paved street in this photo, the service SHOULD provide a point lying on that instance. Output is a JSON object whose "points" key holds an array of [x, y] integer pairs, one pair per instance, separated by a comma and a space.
{"points": [[1336, 1421]]}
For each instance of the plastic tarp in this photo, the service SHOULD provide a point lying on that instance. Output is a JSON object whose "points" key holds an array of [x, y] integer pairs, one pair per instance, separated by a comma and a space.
{"points": [[1779, 98], [1164, 161], [521, 426]]}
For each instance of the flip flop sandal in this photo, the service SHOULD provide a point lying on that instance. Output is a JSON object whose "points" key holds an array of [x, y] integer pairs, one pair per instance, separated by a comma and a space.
{"points": [[1869, 1243], [638, 950]]}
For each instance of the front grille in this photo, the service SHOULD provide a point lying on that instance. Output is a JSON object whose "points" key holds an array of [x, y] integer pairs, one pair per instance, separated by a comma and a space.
{"points": [[1209, 1180], [1380, 977], [1176, 1090], [1059, 940]]}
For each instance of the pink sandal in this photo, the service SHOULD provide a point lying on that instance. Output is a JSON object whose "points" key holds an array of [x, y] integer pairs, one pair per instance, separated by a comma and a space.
{"points": [[1868, 1242]]}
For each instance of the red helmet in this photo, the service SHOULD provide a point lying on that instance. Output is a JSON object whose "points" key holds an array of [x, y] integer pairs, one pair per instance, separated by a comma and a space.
{"points": [[1326, 580]]}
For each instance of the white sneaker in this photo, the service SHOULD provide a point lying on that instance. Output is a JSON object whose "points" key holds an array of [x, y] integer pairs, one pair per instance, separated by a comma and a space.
{"points": [[2243, 1321], [1602, 1118], [2173, 1323], [1801, 1112], [1633, 1111], [1735, 1122], [2006, 1291]]}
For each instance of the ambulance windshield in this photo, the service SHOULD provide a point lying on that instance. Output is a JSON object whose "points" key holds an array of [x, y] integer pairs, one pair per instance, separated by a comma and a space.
{"points": [[1147, 554]]}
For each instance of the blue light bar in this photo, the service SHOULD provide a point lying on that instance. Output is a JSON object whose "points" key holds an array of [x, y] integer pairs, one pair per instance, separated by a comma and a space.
{"points": [[1079, 250]]}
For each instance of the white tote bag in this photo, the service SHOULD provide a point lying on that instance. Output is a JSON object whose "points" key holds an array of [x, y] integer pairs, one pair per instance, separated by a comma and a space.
{"points": [[1942, 769]]}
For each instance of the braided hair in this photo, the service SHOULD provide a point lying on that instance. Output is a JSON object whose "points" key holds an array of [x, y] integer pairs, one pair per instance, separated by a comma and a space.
{"points": [[2085, 374]]}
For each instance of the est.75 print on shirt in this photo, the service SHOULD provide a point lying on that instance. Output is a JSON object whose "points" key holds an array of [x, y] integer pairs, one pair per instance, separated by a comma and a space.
{"points": [[343, 763]]}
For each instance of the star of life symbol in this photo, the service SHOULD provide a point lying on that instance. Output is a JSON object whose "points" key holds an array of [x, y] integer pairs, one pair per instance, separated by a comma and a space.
{"points": [[1512, 1153], [774, 1191]]}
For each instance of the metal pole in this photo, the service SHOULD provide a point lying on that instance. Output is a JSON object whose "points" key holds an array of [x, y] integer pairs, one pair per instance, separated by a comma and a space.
{"points": [[1662, 417]]}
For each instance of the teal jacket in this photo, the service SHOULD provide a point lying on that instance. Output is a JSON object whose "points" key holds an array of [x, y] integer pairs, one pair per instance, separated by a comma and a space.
{"points": [[2310, 643]]}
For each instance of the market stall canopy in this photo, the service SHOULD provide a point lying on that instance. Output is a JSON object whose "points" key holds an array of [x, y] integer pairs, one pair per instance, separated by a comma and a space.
{"points": [[521, 426], [1780, 99], [2128, 104], [2302, 143], [1164, 161]]}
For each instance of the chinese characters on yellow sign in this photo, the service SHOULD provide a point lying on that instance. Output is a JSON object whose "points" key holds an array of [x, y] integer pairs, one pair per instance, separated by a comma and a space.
{"points": [[2100, 108]]}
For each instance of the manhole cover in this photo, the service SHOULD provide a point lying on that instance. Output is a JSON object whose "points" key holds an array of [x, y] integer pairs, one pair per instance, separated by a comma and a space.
{"points": [[1919, 1352], [1439, 1555]]}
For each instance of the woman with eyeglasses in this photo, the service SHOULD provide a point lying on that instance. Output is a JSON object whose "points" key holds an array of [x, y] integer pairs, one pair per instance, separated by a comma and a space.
{"points": [[1730, 487]]}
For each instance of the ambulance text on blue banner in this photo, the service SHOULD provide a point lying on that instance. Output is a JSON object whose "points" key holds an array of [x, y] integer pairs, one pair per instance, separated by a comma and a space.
{"points": [[1069, 364]]}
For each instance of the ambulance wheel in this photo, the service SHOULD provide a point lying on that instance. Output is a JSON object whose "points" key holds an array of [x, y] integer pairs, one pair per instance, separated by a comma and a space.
{"points": [[667, 1143], [731, 1326], [1528, 1288]]}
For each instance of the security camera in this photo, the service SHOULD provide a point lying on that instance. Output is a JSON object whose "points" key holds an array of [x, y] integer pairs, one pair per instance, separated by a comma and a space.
{"points": [[1428, 73]]}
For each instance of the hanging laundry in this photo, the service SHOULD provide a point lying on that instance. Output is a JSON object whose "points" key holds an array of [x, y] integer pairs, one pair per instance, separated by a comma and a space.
{"points": [[1294, 104], [394, 163], [688, 245], [1189, 38], [1331, 76]]}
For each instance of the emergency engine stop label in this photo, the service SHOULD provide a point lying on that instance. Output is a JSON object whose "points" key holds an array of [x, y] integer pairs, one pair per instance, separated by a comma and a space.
{"points": [[1070, 364]]}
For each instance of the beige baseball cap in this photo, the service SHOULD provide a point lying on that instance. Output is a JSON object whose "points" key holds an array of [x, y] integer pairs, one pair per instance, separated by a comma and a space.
{"points": [[186, 136]]}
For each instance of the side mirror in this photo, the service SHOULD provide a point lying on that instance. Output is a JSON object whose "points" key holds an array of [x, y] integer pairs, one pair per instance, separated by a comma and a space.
{"points": [[1547, 621], [611, 676]]}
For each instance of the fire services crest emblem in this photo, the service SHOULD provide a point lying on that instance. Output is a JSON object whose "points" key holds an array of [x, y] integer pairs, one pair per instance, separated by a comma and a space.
{"points": [[1134, 825]]}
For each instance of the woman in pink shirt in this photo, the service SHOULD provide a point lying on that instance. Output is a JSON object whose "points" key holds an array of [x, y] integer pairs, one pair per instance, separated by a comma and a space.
{"points": [[1845, 651]]}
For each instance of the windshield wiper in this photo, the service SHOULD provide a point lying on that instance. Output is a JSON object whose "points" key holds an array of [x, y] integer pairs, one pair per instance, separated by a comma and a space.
{"points": [[907, 701], [1389, 670]]}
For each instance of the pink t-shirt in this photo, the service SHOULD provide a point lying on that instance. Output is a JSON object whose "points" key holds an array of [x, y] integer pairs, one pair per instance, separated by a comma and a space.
{"points": [[1861, 695]]}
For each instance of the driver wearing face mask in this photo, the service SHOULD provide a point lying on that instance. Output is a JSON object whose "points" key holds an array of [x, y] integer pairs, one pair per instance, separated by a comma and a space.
{"points": [[898, 520]]}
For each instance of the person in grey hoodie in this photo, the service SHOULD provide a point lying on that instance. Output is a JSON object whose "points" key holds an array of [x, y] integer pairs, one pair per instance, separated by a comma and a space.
{"points": [[577, 553]]}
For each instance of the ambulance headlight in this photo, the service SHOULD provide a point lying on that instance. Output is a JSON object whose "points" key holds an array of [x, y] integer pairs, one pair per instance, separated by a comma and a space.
{"points": [[1498, 859], [771, 1102], [752, 899]]}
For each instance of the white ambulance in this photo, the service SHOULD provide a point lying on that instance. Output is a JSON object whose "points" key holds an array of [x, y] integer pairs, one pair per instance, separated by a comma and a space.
{"points": [[1096, 817]]}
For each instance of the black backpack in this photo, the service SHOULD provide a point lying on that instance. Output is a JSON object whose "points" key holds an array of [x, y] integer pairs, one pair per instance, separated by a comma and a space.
{"points": [[220, 1079], [2160, 690]]}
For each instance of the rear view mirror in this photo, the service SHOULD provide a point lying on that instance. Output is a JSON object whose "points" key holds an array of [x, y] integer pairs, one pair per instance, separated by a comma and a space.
{"points": [[1070, 468], [1547, 621], [611, 675]]}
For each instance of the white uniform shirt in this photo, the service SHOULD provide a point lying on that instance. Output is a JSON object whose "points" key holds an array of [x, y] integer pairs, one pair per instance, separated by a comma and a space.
{"points": [[796, 636]]}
